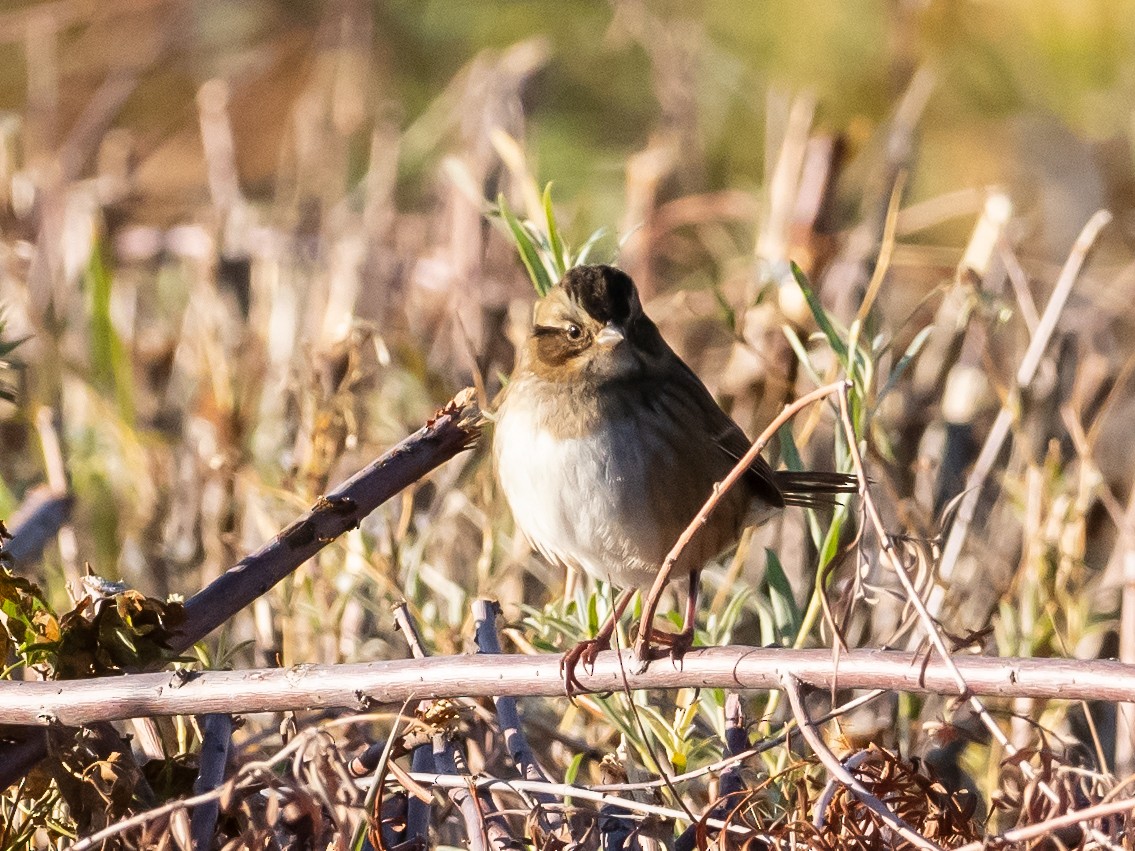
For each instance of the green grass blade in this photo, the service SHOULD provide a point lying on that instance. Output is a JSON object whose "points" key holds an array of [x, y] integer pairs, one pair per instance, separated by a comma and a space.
{"points": [[109, 359], [555, 244], [819, 314], [588, 247], [529, 253], [904, 362], [786, 614]]}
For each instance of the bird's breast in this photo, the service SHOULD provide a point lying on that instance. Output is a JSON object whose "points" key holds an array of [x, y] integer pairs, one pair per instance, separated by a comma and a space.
{"points": [[610, 499]]}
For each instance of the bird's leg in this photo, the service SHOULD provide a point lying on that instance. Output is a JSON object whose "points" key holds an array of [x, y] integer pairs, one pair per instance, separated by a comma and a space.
{"points": [[682, 641], [587, 651], [649, 607]]}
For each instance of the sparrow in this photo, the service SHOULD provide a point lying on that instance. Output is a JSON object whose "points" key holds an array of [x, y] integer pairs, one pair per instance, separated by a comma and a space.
{"points": [[607, 444]]}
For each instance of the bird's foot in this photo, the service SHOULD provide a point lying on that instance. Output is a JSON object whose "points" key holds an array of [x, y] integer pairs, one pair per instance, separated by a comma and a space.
{"points": [[677, 642], [676, 645], [585, 652]]}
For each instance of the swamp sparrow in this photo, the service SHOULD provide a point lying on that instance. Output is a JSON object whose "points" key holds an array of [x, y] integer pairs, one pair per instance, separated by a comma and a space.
{"points": [[607, 444]]}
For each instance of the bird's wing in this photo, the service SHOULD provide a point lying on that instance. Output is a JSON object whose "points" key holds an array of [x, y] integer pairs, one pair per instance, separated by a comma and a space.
{"points": [[729, 437]]}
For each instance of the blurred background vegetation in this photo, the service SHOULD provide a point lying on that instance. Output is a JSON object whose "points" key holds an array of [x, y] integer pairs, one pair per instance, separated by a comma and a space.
{"points": [[247, 246]]}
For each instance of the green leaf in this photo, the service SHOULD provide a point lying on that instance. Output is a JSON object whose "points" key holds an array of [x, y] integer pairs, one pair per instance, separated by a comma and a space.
{"points": [[559, 254], [786, 614], [572, 771], [727, 311], [788, 450], [529, 253], [802, 354], [7, 347], [904, 362], [585, 251], [820, 315], [109, 358], [766, 621], [593, 614]]}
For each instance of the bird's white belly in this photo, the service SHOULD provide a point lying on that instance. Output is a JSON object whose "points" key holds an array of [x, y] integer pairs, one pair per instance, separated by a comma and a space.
{"points": [[570, 496]]}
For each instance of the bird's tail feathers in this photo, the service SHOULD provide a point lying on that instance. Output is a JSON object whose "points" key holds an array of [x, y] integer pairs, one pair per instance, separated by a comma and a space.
{"points": [[812, 489]]}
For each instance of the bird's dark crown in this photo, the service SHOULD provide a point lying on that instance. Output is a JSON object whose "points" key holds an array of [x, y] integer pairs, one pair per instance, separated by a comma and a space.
{"points": [[607, 294]]}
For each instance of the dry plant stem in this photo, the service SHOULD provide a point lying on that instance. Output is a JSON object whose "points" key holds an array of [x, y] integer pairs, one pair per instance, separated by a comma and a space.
{"points": [[409, 629], [453, 429], [792, 689], [441, 781], [1125, 712], [731, 782], [95, 840], [964, 687], [726, 764], [57, 480], [523, 757], [214, 757], [445, 756], [40, 517], [467, 802], [377, 767], [1125, 745], [1001, 425], [650, 606], [358, 686], [564, 790], [418, 812]]}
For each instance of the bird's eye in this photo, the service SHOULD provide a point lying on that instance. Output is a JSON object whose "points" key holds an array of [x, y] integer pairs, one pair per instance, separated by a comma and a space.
{"points": [[574, 332]]}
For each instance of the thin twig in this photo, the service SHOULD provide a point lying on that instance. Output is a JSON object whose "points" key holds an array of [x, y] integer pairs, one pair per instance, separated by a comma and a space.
{"points": [[378, 773], [566, 790], [728, 762], [409, 629], [419, 812], [1049, 826]]}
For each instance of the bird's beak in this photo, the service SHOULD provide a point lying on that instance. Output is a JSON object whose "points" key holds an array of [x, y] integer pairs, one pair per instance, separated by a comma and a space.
{"points": [[610, 336]]}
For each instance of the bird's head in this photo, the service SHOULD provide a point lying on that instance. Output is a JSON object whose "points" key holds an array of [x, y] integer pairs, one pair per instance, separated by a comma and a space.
{"points": [[591, 326]]}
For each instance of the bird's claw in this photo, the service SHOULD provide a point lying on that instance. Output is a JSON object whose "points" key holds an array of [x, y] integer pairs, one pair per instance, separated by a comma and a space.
{"points": [[586, 652], [677, 642]]}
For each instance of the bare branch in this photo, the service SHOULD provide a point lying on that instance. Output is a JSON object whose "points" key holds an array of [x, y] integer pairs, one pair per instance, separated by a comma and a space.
{"points": [[352, 686], [453, 429]]}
